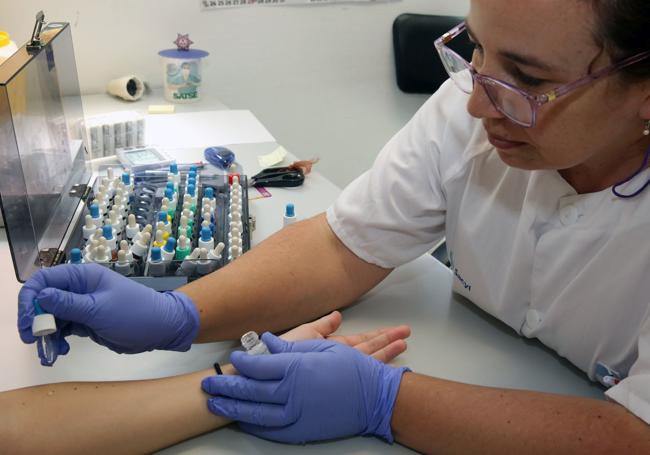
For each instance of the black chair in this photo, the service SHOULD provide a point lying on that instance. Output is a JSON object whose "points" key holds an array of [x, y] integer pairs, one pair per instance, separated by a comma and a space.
{"points": [[417, 64], [418, 67]]}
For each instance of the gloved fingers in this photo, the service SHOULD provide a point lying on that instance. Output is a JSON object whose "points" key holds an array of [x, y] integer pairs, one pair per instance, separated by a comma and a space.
{"points": [[267, 415], [241, 388], [67, 305], [278, 345], [26, 314], [64, 347], [262, 367]]}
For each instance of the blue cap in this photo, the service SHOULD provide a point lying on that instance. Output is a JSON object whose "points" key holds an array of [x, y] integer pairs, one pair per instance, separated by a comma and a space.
{"points": [[170, 246], [173, 168], [169, 193], [209, 192], [94, 210], [193, 168], [156, 254], [126, 178], [191, 181], [170, 185], [191, 189], [192, 173], [75, 256], [290, 211], [107, 231], [37, 307], [206, 234], [162, 216]]}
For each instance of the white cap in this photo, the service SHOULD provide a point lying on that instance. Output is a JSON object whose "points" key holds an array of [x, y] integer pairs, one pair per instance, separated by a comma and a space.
{"points": [[43, 324]]}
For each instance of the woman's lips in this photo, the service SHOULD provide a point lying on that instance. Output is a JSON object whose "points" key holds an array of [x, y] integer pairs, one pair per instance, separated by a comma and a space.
{"points": [[503, 144]]}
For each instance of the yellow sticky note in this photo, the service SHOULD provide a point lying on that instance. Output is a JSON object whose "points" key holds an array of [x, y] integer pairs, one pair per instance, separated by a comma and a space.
{"points": [[273, 158]]}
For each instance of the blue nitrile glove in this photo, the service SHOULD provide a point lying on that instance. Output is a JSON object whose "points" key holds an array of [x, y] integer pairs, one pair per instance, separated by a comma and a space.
{"points": [[91, 300], [307, 391]]}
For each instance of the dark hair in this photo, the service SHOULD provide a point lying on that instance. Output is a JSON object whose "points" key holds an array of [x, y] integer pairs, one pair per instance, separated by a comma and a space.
{"points": [[623, 29]]}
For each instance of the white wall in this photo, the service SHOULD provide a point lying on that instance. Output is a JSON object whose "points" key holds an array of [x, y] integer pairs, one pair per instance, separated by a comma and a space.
{"points": [[320, 78]]}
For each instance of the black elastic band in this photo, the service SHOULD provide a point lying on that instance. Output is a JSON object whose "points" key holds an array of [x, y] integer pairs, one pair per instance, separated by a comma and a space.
{"points": [[217, 368]]}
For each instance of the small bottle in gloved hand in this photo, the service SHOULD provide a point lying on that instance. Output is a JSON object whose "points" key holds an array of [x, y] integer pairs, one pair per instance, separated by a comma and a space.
{"points": [[43, 327], [253, 345]]}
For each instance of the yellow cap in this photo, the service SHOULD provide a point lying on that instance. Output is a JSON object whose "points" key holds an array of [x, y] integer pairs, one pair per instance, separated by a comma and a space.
{"points": [[4, 39]]}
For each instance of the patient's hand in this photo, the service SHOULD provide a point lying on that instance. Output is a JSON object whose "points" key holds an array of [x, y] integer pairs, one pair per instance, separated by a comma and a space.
{"points": [[383, 344]]}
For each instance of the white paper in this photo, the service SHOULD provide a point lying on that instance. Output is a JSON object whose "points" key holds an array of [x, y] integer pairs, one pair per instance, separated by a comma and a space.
{"points": [[205, 129]]}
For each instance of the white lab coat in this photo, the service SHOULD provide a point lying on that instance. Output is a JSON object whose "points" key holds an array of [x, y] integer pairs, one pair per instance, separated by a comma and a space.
{"points": [[571, 270]]}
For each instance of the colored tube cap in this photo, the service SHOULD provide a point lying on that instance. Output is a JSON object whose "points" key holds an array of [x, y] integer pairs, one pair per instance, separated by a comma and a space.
{"points": [[206, 234], [126, 178], [290, 210], [156, 254], [162, 216], [75, 256], [169, 193], [170, 246], [209, 192], [191, 189], [94, 210], [107, 231]]}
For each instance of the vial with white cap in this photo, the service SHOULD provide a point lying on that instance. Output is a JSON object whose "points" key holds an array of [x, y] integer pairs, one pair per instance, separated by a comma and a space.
{"points": [[191, 192], [43, 327], [171, 196], [289, 215], [75, 256], [234, 252], [132, 228], [253, 345], [126, 179], [169, 250], [204, 265], [183, 228], [156, 264], [124, 246], [188, 266], [183, 249], [102, 255], [159, 240], [215, 255], [206, 241], [123, 266], [88, 227], [139, 248], [162, 217]]}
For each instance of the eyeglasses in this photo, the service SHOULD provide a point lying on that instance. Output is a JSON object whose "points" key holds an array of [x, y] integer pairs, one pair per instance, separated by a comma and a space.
{"points": [[516, 104]]}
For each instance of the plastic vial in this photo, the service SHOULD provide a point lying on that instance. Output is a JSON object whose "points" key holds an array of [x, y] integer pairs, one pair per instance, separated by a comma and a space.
{"points": [[132, 228], [43, 327], [204, 266], [88, 227], [96, 216], [107, 232], [183, 249], [253, 345], [206, 241], [75, 256], [123, 266], [188, 266], [124, 246], [169, 250], [162, 217], [140, 247], [289, 215], [156, 264]]}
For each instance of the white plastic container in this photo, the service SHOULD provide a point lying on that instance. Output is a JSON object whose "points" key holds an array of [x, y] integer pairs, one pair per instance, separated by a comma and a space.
{"points": [[182, 74], [7, 47]]}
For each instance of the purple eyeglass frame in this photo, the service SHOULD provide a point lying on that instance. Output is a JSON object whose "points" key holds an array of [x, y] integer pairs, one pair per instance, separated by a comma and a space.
{"points": [[536, 101]]}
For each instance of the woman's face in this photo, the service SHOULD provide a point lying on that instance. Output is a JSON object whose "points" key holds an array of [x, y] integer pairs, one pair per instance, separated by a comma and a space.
{"points": [[538, 46]]}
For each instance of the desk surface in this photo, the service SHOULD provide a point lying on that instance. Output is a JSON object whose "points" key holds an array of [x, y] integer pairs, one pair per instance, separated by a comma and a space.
{"points": [[451, 339]]}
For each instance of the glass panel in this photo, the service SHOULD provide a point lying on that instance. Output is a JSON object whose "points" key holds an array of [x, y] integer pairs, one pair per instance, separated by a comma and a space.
{"points": [[41, 154]]}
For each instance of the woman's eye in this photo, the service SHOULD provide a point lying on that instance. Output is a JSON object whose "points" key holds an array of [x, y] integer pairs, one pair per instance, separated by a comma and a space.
{"points": [[528, 80]]}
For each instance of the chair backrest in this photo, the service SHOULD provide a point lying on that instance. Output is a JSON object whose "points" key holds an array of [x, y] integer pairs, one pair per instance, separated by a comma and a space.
{"points": [[417, 64]]}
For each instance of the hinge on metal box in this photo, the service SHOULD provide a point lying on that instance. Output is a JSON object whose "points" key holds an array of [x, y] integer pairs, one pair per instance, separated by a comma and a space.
{"points": [[35, 44], [50, 257], [80, 190]]}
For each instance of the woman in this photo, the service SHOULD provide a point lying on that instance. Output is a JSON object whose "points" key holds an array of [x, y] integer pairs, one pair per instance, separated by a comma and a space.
{"points": [[534, 167]]}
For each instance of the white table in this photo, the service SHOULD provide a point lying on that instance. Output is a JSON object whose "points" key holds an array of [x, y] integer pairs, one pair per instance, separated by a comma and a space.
{"points": [[450, 339]]}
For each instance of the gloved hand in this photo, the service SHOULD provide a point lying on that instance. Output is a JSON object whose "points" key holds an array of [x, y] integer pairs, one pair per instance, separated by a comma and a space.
{"points": [[307, 391], [125, 316]]}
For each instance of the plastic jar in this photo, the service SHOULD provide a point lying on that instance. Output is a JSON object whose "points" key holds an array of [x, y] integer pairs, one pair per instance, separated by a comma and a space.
{"points": [[182, 74], [7, 47]]}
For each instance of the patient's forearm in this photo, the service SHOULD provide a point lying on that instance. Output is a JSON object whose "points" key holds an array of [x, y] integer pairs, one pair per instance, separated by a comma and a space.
{"points": [[105, 417]]}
